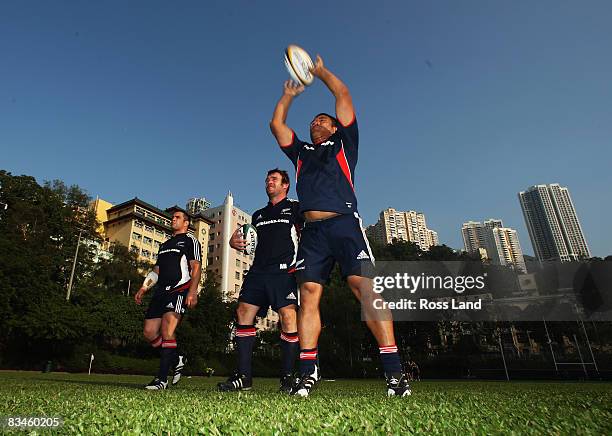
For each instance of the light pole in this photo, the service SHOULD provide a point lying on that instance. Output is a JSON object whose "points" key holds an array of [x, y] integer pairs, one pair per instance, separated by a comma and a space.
{"points": [[76, 253]]}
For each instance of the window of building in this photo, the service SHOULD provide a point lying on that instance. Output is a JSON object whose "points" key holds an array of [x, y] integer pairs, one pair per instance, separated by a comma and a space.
{"points": [[236, 288], [134, 249], [212, 236], [238, 262], [154, 256], [146, 253], [219, 214], [217, 258], [218, 245], [237, 275], [138, 224], [244, 265], [136, 236], [210, 261], [211, 248], [149, 228], [156, 244], [147, 241]]}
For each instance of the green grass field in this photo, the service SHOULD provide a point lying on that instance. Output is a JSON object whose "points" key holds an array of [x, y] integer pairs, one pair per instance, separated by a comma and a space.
{"points": [[118, 404]]}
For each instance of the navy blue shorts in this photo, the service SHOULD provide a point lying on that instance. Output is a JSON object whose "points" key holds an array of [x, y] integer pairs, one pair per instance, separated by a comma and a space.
{"points": [[164, 301], [269, 290], [340, 239]]}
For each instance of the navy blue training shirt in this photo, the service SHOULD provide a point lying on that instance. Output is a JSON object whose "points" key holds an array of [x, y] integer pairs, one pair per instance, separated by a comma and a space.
{"points": [[173, 260], [325, 173], [278, 227]]}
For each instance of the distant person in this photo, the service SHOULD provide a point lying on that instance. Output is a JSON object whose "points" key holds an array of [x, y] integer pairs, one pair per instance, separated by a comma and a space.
{"points": [[270, 282], [176, 276], [333, 232]]}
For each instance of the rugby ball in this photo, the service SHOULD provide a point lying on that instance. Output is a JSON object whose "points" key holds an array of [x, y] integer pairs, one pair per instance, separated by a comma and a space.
{"points": [[298, 64], [250, 234]]}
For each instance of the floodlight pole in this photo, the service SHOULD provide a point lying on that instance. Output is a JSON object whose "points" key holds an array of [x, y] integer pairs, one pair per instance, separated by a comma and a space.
{"points": [[501, 348], [76, 253], [550, 345], [589, 344]]}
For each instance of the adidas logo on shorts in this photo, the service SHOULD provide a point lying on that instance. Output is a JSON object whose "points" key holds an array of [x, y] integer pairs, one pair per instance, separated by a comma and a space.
{"points": [[291, 296], [170, 306], [362, 255]]}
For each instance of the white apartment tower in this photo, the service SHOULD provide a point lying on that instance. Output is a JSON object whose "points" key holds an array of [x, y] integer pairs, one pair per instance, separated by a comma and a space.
{"points": [[228, 264], [553, 224]]}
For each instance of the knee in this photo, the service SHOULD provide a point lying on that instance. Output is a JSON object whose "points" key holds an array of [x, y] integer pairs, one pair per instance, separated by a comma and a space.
{"points": [[150, 333], [310, 294], [243, 316], [288, 320]]}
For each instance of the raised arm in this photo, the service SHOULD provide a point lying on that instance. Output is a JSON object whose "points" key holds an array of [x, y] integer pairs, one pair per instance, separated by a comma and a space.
{"points": [[344, 102], [280, 130]]}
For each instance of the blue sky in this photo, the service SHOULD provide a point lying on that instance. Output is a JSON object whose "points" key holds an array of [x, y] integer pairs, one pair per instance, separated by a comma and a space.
{"points": [[461, 104]]}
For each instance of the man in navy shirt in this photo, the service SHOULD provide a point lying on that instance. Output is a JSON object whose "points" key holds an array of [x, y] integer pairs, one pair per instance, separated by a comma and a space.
{"points": [[177, 276], [269, 282], [325, 184]]}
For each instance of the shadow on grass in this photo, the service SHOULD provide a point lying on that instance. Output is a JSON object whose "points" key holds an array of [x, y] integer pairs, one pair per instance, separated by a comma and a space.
{"points": [[136, 386]]}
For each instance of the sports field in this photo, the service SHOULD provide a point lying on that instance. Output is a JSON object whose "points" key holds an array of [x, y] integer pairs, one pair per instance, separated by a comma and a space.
{"points": [[118, 404]]}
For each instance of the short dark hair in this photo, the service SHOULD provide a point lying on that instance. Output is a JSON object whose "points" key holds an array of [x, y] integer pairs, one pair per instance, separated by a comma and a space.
{"points": [[186, 216], [334, 120], [283, 174]]}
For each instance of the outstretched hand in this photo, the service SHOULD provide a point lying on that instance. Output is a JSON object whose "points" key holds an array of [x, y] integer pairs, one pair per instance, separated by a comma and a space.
{"points": [[293, 89], [318, 67]]}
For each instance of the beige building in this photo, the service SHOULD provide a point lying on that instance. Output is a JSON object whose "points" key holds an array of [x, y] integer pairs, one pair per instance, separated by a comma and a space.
{"points": [[404, 226], [229, 265], [492, 241], [143, 227]]}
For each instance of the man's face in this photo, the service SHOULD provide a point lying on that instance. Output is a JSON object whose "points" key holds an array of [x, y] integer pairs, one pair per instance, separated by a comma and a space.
{"points": [[179, 223], [275, 185], [321, 128]]}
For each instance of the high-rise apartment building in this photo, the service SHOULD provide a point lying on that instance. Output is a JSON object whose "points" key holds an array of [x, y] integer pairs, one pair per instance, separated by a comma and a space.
{"points": [[228, 264], [493, 241], [552, 222], [197, 205], [403, 226]]}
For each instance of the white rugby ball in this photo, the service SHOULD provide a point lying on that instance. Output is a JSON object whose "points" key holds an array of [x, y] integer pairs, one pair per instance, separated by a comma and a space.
{"points": [[249, 232], [298, 64]]}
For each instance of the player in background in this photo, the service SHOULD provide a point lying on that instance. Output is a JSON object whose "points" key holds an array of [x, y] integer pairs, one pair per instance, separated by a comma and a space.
{"points": [[176, 275]]}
